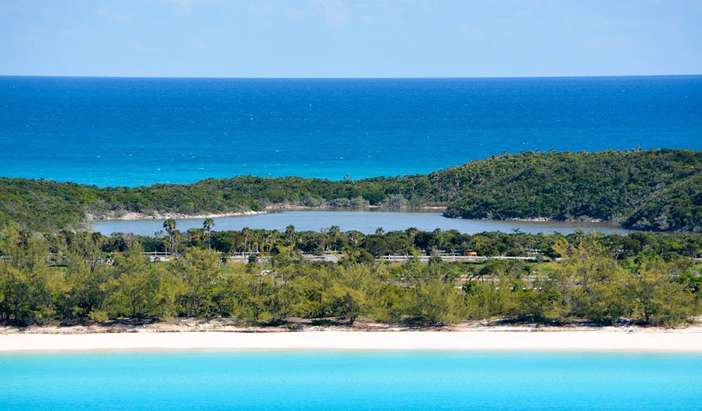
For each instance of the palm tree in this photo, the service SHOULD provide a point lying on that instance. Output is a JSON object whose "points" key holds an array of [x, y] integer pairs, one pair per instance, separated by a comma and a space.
{"points": [[170, 226], [207, 225], [247, 233], [355, 237], [333, 235], [290, 234], [266, 241]]}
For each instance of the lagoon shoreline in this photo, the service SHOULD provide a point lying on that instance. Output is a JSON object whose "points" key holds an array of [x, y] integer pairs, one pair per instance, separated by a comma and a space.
{"points": [[147, 216], [366, 221], [459, 338]]}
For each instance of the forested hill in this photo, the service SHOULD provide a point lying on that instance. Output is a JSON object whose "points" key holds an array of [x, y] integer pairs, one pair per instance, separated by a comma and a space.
{"points": [[649, 190]]}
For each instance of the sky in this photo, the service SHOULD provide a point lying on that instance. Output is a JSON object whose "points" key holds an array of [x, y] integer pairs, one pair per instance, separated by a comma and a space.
{"points": [[338, 38]]}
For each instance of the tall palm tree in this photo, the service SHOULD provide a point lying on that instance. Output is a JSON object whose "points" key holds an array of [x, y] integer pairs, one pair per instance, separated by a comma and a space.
{"points": [[355, 237], [333, 235], [170, 226], [207, 225], [290, 235], [247, 234]]}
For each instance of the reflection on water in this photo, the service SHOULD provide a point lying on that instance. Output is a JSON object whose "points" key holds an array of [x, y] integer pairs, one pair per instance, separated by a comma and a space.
{"points": [[364, 221]]}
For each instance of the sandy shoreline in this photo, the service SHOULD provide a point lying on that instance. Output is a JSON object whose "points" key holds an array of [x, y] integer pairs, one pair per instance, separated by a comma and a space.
{"points": [[134, 216], [137, 216], [687, 340]]}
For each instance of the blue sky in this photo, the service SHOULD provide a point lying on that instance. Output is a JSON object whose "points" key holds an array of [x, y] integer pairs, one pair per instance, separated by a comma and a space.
{"points": [[337, 38]]}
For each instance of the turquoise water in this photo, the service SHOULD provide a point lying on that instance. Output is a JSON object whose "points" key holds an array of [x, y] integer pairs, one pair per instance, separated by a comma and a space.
{"points": [[364, 221], [113, 131], [350, 380]]}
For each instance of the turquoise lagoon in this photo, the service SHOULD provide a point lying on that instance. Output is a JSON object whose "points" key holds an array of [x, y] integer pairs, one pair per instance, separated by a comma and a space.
{"points": [[334, 380]]}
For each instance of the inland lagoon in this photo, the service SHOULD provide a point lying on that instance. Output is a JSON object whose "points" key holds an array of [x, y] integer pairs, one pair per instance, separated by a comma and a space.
{"points": [[364, 221]]}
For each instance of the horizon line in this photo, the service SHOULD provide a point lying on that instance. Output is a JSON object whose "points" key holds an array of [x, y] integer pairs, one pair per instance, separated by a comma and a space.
{"points": [[352, 78]]}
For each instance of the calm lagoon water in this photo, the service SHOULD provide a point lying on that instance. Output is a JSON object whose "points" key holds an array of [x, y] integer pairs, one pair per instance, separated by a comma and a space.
{"points": [[364, 221], [350, 380], [130, 131]]}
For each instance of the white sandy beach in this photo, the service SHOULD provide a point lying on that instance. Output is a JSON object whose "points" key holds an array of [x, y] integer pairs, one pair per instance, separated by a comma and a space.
{"points": [[154, 215], [685, 340], [135, 216]]}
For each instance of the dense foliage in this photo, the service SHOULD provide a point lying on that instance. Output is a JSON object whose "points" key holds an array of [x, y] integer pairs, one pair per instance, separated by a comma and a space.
{"points": [[649, 190], [615, 186], [677, 207], [83, 277]]}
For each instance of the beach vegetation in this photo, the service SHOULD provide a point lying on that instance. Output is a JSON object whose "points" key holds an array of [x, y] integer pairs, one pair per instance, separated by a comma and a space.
{"points": [[69, 278]]}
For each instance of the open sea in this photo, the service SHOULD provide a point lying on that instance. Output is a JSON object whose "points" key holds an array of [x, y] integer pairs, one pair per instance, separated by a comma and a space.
{"points": [[413, 380], [131, 131]]}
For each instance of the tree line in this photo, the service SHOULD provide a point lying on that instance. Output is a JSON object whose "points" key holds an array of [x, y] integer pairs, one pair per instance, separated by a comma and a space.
{"points": [[410, 242]]}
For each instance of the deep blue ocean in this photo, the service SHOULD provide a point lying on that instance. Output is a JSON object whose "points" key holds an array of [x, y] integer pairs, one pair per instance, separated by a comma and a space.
{"points": [[330, 380], [113, 131]]}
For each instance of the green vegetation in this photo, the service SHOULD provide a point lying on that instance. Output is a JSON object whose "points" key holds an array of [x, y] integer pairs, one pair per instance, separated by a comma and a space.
{"points": [[644, 278], [647, 190], [677, 207], [626, 187]]}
